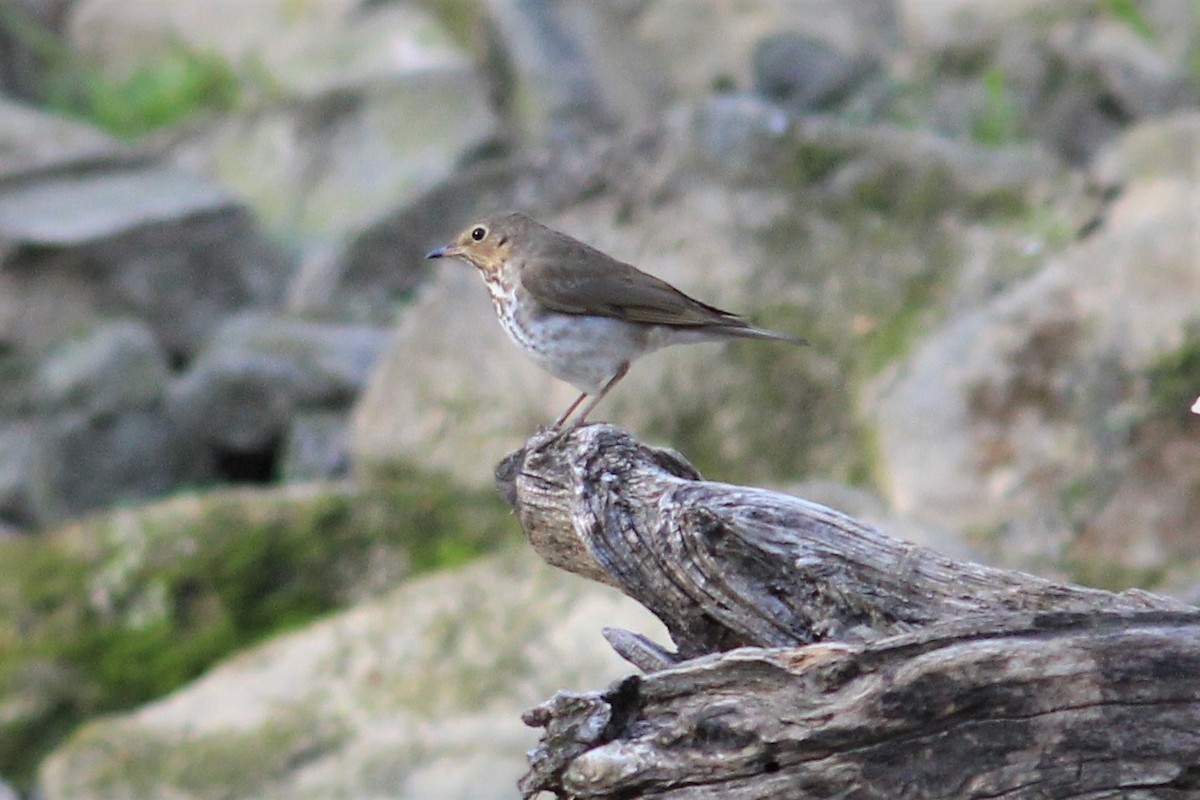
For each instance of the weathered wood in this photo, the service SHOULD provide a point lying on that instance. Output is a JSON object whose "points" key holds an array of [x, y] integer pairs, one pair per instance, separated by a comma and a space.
{"points": [[818, 657], [1037, 709], [728, 566]]}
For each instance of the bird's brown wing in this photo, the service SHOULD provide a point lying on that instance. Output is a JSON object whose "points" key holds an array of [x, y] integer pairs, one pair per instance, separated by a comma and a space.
{"points": [[572, 278]]}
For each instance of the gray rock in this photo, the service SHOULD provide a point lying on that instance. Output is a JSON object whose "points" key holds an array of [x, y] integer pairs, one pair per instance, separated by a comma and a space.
{"points": [[317, 447], [944, 25], [916, 172], [549, 71], [1094, 88], [18, 368], [33, 141], [415, 695], [1136, 72], [88, 237], [115, 367], [76, 210], [324, 167], [180, 276], [1011, 409], [18, 452], [745, 138], [82, 464], [259, 370], [1161, 148], [306, 51], [805, 72], [237, 402], [703, 44]]}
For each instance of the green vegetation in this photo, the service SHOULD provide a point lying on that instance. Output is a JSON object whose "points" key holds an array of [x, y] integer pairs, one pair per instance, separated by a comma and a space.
{"points": [[891, 339], [110, 613], [1128, 13], [1175, 382], [813, 162], [999, 122], [179, 84]]}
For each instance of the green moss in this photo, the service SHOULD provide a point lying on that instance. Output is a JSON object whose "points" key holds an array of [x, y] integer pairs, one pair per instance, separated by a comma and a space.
{"points": [[226, 764], [891, 339], [815, 161], [1175, 382], [136, 603]]}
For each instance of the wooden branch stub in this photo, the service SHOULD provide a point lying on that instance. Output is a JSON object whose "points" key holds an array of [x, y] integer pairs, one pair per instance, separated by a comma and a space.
{"points": [[730, 566]]}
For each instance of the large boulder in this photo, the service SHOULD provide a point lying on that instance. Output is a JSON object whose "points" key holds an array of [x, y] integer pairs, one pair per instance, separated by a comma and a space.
{"points": [[103, 433], [86, 463], [261, 372], [1041, 414], [115, 367], [415, 695], [148, 242], [119, 607], [34, 141]]}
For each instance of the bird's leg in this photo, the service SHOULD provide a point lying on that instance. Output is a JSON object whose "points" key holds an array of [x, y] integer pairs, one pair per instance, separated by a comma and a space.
{"points": [[599, 396], [558, 422]]}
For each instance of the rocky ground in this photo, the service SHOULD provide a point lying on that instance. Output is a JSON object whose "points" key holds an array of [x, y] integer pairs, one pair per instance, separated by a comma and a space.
{"points": [[981, 214]]}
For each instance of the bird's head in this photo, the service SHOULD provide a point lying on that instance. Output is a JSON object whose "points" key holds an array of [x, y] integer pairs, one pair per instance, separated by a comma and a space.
{"points": [[488, 244]]}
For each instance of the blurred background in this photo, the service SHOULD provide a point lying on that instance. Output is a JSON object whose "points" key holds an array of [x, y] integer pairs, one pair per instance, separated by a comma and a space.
{"points": [[249, 545]]}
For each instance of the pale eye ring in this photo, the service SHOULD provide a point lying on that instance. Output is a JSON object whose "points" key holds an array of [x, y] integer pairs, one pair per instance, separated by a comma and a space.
{"points": [[479, 233]]}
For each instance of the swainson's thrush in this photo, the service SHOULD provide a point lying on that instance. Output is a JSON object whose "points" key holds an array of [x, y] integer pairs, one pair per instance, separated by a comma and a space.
{"points": [[580, 314]]}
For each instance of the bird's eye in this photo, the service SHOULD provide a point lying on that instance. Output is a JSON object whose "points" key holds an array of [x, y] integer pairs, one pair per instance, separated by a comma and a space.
{"points": [[479, 233]]}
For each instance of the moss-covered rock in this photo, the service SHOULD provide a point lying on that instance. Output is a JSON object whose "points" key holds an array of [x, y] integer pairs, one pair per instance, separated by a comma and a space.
{"points": [[417, 693], [126, 606]]}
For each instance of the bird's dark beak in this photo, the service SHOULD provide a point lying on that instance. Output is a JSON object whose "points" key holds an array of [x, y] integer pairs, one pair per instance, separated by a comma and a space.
{"points": [[438, 252]]}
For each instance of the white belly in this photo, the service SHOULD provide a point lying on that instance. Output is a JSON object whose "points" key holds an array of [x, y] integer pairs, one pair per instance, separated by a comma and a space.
{"points": [[582, 350]]}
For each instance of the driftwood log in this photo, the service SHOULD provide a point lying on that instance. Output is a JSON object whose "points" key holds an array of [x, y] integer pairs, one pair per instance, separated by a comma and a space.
{"points": [[814, 656]]}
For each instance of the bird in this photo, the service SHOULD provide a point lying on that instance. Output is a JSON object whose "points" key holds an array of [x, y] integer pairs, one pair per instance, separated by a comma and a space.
{"points": [[580, 314]]}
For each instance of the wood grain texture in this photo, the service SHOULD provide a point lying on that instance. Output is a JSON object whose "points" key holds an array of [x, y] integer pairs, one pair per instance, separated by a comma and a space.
{"points": [[815, 656]]}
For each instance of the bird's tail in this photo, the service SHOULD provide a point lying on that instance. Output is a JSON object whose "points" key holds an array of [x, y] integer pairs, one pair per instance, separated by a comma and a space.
{"points": [[745, 330]]}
